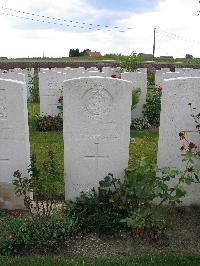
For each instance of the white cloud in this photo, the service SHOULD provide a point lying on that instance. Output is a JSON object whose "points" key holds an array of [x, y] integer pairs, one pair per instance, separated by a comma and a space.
{"points": [[172, 16]]}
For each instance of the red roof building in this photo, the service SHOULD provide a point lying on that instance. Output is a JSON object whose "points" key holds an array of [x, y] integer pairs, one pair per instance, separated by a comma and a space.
{"points": [[93, 53]]}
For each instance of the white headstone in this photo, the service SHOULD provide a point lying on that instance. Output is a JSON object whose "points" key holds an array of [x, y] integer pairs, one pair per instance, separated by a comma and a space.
{"points": [[97, 117], [14, 140], [139, 80], [50, 88], [176, 117], [14, 76], [159, 76], [108, 71]]}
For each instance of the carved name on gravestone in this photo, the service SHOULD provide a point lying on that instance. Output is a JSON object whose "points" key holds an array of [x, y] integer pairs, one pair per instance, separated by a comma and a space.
{"points": [[176, 117], [97, 117], [14, 140]]}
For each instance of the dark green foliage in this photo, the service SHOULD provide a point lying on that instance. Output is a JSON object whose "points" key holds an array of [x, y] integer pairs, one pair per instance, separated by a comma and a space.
{"points": [[135, 97], [50, 123], [101, 210], [19, 233], [74, 52], [35, 98], [140, 123], [153, 106]]}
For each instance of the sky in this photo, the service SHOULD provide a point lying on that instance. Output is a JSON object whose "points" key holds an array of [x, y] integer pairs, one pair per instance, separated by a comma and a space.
{"points": [[107, 26]]}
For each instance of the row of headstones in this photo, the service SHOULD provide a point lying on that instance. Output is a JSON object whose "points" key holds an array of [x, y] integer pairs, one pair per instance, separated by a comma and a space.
{"points": [[24, 75], [50, 85], [97, 116]]}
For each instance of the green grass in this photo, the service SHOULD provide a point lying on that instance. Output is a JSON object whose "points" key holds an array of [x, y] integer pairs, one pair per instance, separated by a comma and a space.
{"points": [[155, 260], [145, 145]]}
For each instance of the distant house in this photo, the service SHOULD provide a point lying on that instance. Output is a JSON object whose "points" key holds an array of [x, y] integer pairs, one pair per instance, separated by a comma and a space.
{"points": [[89, 53], [189, 56], [166, 57], [145, 56]]}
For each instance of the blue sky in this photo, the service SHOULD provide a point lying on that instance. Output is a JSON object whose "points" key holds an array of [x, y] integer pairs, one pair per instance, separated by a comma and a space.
{"points": [[124, 5]]}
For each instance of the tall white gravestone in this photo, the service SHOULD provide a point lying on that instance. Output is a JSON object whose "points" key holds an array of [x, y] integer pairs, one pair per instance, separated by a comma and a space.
{"points": [[50, 89], [14, 140], [97, 117], [139, 80], [176, 117]]}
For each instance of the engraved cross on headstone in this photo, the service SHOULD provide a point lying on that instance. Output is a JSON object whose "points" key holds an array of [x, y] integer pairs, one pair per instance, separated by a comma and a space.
{"points": [[96, 157]]}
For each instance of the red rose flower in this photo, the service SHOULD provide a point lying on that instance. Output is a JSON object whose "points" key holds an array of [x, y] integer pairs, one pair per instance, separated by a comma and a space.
{"points": [[198, 116], [60, 99], [113, 76], [13, 213], [10, 234], [191, 146], [182, 135], [135, 232]]}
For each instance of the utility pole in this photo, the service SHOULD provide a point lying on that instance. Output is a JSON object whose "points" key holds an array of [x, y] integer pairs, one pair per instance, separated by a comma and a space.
{"points": [[154, 41]]}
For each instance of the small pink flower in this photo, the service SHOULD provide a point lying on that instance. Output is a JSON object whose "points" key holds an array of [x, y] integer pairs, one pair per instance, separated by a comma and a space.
{"points": [[10, 234], [60, 99]]}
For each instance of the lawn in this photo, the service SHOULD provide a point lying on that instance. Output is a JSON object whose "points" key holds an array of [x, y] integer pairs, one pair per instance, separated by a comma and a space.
{"points": [[145, 146], [164, 260]]}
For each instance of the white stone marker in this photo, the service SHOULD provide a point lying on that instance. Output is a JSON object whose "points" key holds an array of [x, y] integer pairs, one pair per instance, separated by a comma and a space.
{"points": [[185, 72], [174, 118], [14, 76], [50, 88], [97, 117], [139, 80], [14, 140], [159, 76]]}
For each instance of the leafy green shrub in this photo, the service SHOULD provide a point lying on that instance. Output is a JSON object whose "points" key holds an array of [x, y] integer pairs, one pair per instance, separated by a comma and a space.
{"points": [[130, 63], [140, 123], [18, 233], [40, 182], [135, 97], [153, 106], [50, 123], [35, 98], [101, 210]]}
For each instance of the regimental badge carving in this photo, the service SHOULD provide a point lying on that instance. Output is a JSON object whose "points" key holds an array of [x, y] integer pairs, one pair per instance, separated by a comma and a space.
{"points": [[3, 109], [97, 102]]}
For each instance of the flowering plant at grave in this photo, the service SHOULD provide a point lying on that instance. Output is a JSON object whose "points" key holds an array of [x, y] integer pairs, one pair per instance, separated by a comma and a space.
{"points": [[39, 182], [114, 76], [190, 151], [60, 105], [191, 154]]}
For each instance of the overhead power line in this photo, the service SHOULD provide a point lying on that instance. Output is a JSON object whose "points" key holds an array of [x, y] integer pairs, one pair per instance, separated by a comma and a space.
{"points": [[58, 21], [176, 36]]}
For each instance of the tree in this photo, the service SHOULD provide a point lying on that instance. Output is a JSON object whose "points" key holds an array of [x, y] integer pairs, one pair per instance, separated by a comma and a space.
{"points": [[74, 52]]}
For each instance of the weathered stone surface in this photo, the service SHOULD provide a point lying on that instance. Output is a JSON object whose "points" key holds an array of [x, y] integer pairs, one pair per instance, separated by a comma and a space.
{"points": [[14, 139], [176, 117], [97, 117], [139, 80], [50, 88]]}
